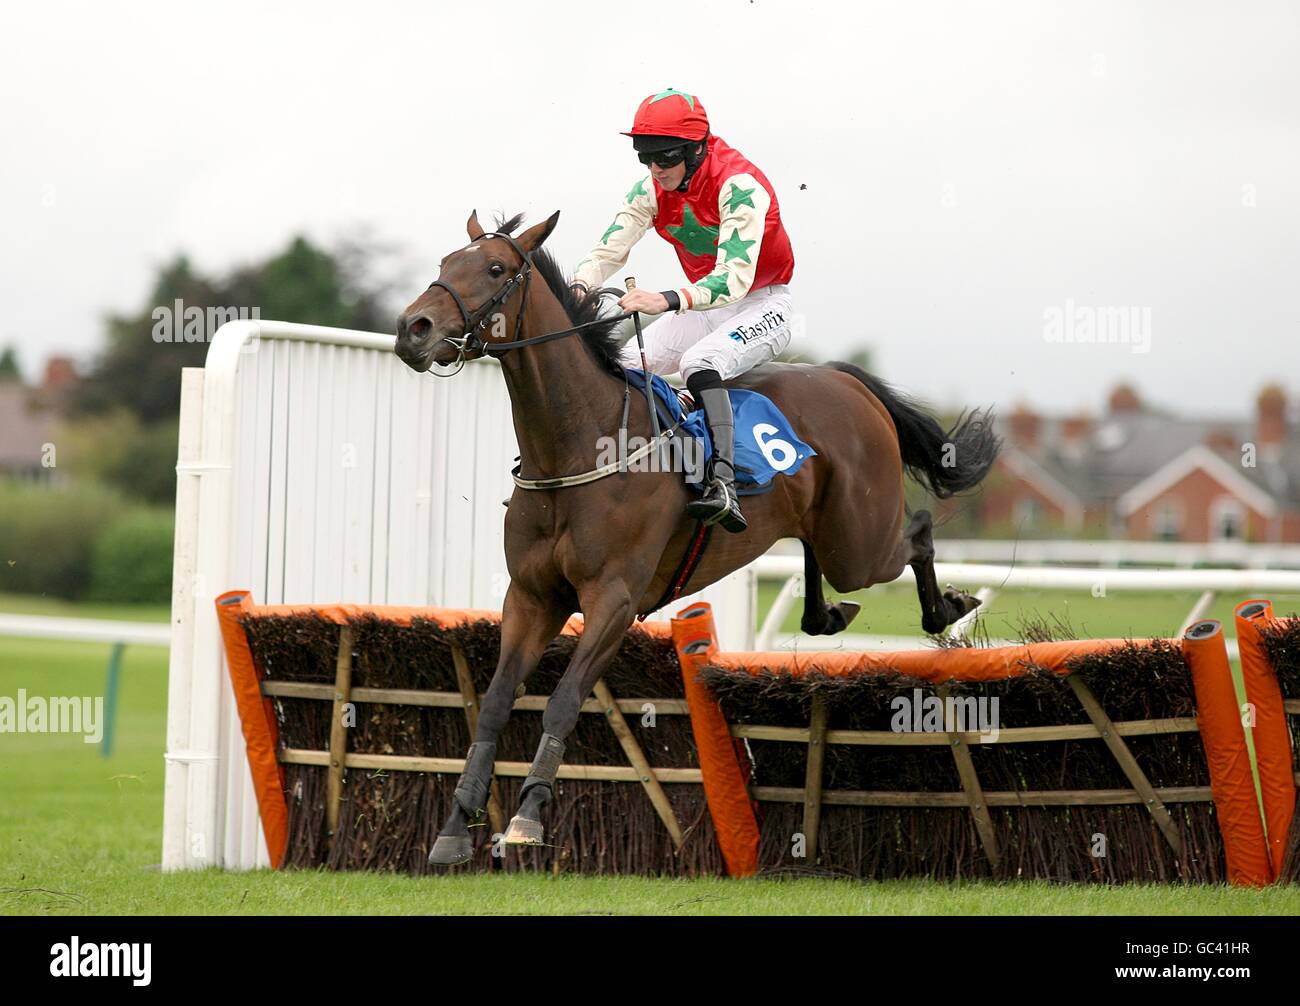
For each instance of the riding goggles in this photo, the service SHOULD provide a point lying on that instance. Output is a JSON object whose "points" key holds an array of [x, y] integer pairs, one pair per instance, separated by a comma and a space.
{"points": [[669, 158]]}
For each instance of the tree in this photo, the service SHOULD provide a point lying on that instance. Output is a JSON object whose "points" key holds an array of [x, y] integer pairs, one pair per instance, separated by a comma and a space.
{"points": [[140, 369], [9, 369], [137, 372]]}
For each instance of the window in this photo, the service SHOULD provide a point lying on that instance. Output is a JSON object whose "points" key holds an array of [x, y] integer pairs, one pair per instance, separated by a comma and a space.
{"points": [[1028, 512], [1167, 521], [1227, 519]]}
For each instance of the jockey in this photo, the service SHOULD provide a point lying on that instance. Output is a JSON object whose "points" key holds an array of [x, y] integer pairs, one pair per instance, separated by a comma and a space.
{"points": [[720, 214]]}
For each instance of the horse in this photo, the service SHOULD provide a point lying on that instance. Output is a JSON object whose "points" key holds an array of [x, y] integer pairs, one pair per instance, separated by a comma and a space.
{"points": [[608, 543]]}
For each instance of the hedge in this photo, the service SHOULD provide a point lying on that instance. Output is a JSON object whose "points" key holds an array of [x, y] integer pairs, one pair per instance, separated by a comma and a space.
{"points": [[80, 542]]}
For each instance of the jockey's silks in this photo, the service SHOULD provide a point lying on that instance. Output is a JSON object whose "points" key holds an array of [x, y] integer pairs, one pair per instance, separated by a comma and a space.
{"points": [[725, 228]]}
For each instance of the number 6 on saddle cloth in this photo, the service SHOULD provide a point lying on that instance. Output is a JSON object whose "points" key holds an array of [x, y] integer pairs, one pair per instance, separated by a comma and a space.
{"points": [[766, 444]]}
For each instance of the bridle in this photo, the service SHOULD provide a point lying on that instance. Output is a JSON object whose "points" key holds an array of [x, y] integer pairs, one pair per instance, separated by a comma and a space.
{"points": [[471, 340]]}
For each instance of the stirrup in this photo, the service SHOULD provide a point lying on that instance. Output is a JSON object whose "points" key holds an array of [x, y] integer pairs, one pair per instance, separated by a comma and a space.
{"points": [[728, 515]]}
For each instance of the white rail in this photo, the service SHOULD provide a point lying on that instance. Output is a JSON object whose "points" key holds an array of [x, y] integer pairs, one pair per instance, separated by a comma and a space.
{"points": [[1249, 555], [85, 630]]}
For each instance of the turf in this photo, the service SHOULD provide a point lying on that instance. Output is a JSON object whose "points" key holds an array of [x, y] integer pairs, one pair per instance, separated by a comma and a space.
{"points": [[80, 834]]}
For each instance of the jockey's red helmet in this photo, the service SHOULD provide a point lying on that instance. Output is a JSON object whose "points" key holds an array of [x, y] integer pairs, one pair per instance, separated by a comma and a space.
{"points": [[671, 114]]}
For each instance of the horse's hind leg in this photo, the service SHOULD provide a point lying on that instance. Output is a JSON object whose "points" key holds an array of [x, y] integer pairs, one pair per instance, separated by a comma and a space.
{"points": [[938, 609], [526, 628], [820, 618]]}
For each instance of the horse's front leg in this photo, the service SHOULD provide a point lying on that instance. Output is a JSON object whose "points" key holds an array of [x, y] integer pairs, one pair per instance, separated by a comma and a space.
{"points": [[607, 612], [527, 625]]}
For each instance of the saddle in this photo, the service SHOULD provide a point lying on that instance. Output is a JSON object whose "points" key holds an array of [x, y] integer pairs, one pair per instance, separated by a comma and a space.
{"points": [[766, 443]]}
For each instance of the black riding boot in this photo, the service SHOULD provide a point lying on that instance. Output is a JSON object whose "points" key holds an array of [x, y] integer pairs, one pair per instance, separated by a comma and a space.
{"points": [[719, 504]]}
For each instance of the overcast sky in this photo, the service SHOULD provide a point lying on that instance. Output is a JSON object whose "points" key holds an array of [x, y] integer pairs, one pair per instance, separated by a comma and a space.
{"points": [[970, 169]]}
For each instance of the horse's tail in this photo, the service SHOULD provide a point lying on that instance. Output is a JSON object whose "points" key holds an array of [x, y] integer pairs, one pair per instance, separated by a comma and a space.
{"points": [[946, 463]]}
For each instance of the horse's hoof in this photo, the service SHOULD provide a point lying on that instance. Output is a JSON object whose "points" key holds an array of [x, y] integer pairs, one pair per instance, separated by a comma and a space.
{"points": [[451, 850], [964, 602], [843, 613], [521, 831]]}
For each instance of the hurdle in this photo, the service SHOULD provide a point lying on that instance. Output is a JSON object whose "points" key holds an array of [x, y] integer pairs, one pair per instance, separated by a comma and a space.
{"points": [[742, 767]]}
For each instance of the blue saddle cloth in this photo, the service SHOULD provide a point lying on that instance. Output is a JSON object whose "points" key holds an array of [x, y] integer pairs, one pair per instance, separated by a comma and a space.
{"points": [[766, 445]]}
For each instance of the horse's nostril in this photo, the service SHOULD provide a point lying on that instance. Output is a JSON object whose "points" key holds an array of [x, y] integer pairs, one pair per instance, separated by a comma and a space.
{"points": [[419, 328]]}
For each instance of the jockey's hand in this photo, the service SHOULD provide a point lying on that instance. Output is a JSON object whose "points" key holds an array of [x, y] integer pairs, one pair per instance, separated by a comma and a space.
{"points": [[646, 301]]}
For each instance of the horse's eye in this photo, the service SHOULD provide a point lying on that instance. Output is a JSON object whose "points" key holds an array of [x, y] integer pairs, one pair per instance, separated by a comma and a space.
{"points": [[496, 269]]}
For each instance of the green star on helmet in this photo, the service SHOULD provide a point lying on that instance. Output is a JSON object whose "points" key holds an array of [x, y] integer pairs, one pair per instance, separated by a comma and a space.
{"points": [[690, 99], [695, 237], [716, 284], [739, 197], [735, 247]]}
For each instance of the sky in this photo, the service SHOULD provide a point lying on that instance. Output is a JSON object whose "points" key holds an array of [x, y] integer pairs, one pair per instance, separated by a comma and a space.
{"points": [[973, 191]]}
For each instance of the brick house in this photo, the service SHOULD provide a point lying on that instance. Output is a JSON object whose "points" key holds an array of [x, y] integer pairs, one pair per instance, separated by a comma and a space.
{"points": [[1140, 474], [29, 417]]}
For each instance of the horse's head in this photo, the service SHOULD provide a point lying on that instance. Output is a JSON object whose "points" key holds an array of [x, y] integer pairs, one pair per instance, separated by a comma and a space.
{"points": [[476, 300]]}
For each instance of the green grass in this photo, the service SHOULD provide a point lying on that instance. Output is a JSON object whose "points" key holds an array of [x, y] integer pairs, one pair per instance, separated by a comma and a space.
{"points": [[80, 834], [27, 604], [312, 893]]}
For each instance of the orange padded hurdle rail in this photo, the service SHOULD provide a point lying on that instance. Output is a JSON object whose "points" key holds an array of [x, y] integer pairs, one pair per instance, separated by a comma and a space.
{"points": [[1218, 719], [725, 774], [1273, 754], [933, 665]]}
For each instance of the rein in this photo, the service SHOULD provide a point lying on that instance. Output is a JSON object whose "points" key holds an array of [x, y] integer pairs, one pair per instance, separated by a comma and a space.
{"points": [[471, 340]]}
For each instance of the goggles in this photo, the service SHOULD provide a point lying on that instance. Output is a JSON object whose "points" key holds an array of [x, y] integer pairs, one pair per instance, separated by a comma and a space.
{"points": [[669, 158]]}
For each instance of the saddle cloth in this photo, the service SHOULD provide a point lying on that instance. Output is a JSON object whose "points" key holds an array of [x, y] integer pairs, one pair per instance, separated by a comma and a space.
{"points": [[766, 444]]}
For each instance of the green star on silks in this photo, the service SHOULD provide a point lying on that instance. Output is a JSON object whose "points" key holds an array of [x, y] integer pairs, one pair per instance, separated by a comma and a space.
{"points": [[604, 238], [695, 237], [739, 197], [669, 93], [716, 284], [735, 247], [637, 190]]}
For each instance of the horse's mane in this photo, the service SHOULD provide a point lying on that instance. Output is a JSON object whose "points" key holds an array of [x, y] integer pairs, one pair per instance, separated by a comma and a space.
{"points": [[598, 338]]}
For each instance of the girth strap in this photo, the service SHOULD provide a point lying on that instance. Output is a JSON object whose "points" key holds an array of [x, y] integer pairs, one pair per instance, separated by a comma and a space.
{"points": [[691, 559]]}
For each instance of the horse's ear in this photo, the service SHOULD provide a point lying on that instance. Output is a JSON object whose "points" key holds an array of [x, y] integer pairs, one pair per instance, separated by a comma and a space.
{"points": [[532, 238], [472, 225]]}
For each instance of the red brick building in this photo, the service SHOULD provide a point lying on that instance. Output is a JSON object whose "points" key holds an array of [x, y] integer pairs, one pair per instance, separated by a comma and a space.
{"points": [[1141, 474], [28, 418]]}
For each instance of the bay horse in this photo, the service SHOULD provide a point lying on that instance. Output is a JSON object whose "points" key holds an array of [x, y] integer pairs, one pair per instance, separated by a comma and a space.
{"points": [[610, 547]]}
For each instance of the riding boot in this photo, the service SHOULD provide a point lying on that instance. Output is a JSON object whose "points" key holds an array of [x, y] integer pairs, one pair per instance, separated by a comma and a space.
{"points": [[719, 504]]}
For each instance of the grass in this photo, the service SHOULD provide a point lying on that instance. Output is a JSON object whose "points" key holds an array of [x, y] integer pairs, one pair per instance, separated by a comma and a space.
{"points": [[80, 834], [29, 604]]}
